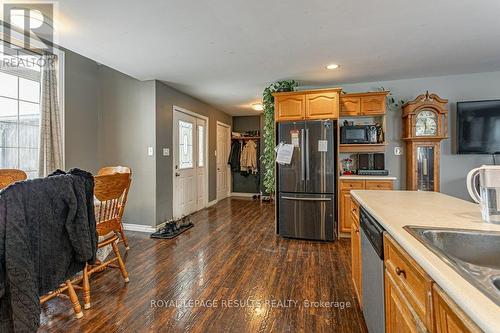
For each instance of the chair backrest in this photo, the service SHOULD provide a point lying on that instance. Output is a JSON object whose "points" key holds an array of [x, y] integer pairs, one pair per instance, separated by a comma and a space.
{"points": [[109, 190], [109, 170], [114, 169], [9, 176]]}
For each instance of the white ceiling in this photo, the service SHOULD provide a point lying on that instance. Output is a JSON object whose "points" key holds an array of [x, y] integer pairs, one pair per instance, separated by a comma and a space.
{"points": [[225, 52]]}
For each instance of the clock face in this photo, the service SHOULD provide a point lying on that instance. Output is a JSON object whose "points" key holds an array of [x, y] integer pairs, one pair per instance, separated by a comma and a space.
{"points": [[426, 123]]}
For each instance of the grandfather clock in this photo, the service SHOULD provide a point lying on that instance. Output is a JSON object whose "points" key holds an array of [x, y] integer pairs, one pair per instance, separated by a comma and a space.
{"points": [[425, 124]]}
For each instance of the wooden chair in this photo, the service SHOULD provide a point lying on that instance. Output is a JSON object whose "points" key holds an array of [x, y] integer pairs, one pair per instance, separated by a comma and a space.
{"points": [[70, 289], [10, 176], [109, 190], [109, 171]]}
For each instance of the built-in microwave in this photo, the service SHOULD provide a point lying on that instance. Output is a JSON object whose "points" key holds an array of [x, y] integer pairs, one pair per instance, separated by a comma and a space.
{"points": [[358, 134]]}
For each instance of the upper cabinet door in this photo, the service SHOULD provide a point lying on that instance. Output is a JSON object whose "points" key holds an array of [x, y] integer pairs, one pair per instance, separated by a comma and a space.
{"points": [[291, 107], [350, 106], [372, 105], [322, 105]]}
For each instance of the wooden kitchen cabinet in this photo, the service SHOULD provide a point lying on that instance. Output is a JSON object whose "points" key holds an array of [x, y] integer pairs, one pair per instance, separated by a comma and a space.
{"points": [[322, 105], [309, 104], [345, 198], [379, 185], [373, 105], [408, 289], [345, 214], [363, 104], [398, 315], [350, 106], [290, 107], [448, 317], [356, 251]]}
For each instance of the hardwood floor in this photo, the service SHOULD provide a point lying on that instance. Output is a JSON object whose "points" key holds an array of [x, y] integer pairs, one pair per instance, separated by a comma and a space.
{"points": [[231, 255]]}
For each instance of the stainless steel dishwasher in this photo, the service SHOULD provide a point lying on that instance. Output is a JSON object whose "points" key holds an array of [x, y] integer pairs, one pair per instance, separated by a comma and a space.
{"points": [[372, 276]]}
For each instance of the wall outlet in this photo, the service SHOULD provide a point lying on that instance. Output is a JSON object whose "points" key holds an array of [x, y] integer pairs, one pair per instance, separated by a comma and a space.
{"points": [[398, 151], [150, 151], [166, 152]]}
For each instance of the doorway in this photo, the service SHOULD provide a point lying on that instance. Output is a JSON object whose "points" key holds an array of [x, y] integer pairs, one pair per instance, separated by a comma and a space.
{"points": [[223, 147], [190, 164]]}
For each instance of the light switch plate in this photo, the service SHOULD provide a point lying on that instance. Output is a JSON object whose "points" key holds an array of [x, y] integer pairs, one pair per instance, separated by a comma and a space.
{"points": [[398, 151], [166, 152], [150, 151]]}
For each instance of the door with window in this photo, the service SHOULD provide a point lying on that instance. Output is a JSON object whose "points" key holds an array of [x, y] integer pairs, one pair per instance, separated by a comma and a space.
{"points": [[190, 185], [201, 164], [19, 113], [223, 147]]}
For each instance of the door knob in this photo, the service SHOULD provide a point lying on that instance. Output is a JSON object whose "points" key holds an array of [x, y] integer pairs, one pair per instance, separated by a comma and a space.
{"points": [[177, 174]]}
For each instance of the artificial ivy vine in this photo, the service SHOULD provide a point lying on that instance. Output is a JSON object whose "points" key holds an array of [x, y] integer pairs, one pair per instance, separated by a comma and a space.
{"points": [[268, 156]]}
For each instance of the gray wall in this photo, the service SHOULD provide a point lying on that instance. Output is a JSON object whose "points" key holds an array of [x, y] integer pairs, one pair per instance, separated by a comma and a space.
{"points": [[81, 112], [455, 88], [112, 118], [249, 183], [166, 98], [126, 129]]}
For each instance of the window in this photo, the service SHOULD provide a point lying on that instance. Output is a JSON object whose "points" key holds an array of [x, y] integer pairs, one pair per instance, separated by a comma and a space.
{"points": [[19, 112], [185, 145], [201, 146]]}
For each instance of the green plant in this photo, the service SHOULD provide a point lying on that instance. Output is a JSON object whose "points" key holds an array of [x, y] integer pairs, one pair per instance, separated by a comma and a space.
{"points": [[268, 155], [391, 102]]}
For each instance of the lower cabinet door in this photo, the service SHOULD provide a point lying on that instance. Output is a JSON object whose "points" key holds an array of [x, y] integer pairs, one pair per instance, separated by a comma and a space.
{"points": [[356, 259], [449, 318], [398, 314], [345, 211]]}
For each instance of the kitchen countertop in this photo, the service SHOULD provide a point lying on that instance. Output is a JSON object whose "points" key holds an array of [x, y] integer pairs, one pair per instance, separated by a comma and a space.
{"points": [[396, 209], [367, 177]]}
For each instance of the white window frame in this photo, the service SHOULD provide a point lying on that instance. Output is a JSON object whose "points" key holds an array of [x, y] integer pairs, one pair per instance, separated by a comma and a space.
{"points": [[60, 93]]}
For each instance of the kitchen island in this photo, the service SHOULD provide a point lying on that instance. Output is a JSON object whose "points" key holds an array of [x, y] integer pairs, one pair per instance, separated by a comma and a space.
{"points": [[397, 209]]}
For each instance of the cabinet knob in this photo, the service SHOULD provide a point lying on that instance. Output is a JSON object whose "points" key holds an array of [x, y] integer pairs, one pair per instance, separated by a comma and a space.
{"points": [[400, 272]]}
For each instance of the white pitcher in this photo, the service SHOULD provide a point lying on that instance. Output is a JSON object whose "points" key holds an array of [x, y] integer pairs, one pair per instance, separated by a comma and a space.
{"points": [[489, 191]]}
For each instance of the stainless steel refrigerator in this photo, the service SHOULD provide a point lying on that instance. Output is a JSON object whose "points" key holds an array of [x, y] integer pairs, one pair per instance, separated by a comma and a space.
{"points": [[307, 186]]}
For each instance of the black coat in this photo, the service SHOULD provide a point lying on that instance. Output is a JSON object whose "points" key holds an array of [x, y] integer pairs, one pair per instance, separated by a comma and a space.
{"points": [[234, 156], [47, 234]]}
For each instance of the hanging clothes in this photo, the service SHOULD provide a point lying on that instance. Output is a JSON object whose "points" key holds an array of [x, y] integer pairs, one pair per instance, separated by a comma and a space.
{"points": [[234, 156], [248, 159]]}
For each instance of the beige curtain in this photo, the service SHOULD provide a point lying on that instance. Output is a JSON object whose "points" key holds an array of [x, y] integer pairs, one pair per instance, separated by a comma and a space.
{"points": [[50, 151]]}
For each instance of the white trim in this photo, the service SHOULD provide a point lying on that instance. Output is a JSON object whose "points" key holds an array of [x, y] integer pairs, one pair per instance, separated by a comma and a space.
{"points": [[138, 227], [61, 85], [207, 159], [223, 124], [245, 195], [211, 203], [229, 176]]}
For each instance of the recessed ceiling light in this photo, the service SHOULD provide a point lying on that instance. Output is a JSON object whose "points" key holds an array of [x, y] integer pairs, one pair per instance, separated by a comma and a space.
{"points": [[332, 66], [257, 107]]}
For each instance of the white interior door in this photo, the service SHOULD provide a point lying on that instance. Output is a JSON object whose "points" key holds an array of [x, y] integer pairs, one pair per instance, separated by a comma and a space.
{"points": [[185, 166], [201, 163], [223, 146]]}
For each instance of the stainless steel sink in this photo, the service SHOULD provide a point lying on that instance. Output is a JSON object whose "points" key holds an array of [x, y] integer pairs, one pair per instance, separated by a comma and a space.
{"points": [[474, 254]]}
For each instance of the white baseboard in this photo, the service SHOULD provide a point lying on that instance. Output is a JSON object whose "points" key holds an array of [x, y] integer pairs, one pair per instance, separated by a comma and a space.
{"points": [[139, 227], [245, 195], [211, 203]]}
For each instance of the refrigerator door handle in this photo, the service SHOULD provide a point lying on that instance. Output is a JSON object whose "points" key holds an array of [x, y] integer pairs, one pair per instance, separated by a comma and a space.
{"points": [[307, 153], [302, 158], [306, 199]]}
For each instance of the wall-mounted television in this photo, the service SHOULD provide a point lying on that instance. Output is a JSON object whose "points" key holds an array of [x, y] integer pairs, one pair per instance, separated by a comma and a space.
{"points": [[478, 127]]}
